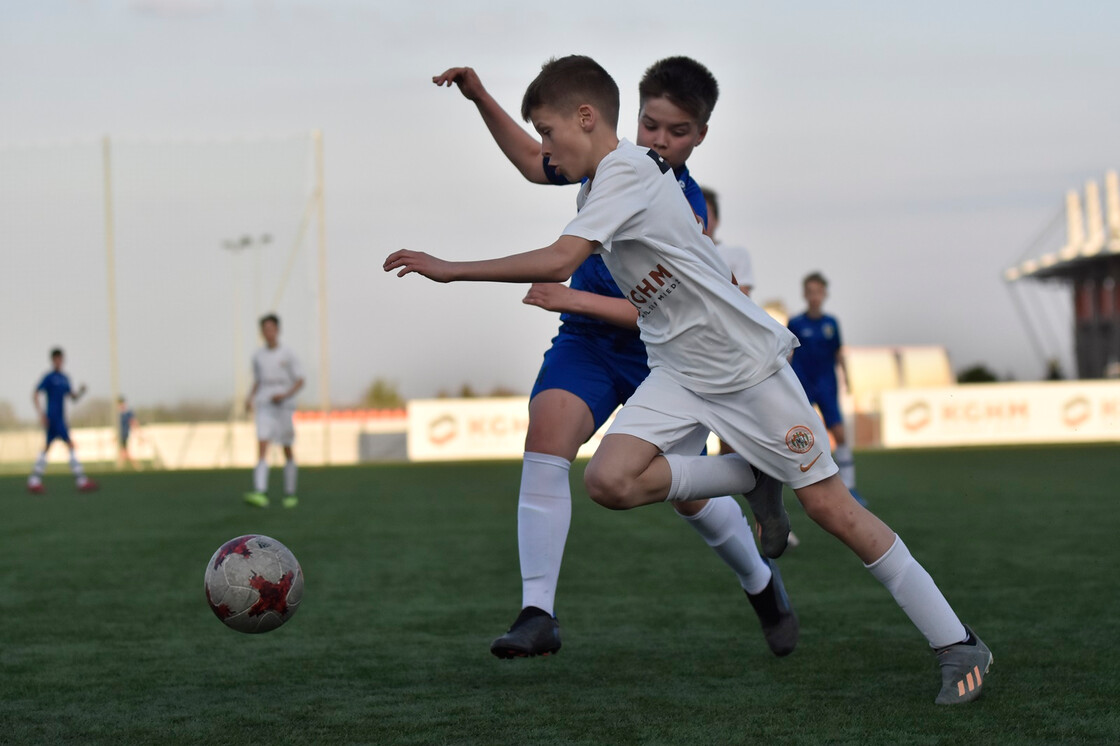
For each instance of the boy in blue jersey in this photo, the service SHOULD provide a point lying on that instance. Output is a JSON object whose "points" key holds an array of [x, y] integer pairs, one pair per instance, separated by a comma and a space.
{"points": [[127, 422], [629, 210], [55, 387], [815, 363], [595, 363]]}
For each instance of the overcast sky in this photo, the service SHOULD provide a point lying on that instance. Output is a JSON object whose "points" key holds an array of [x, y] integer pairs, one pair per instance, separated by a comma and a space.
{"points": [[911, 152]]}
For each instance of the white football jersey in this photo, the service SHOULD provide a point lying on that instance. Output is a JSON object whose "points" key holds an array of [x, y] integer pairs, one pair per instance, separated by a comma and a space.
{"points": [[275, 371], [696, 324]]}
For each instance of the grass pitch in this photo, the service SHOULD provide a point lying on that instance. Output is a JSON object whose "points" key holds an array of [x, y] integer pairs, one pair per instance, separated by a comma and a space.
{"points": [[411, 570]]}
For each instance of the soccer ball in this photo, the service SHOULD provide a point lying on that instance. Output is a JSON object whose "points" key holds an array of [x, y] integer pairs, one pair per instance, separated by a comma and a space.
{"points": [[253, 583]]}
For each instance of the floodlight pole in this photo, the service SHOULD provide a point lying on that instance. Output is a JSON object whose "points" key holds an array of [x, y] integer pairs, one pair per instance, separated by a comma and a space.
{"points": [[111, 279], [235, 247], [264, 240], [324, 347]]}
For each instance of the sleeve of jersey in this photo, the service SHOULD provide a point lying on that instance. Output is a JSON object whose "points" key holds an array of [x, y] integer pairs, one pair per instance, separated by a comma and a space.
{"points": [[296, 367], [696, 200], [615, 198]]}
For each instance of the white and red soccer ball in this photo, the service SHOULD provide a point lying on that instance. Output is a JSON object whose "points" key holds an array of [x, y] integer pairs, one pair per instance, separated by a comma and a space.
{"points": [[253, 583]]}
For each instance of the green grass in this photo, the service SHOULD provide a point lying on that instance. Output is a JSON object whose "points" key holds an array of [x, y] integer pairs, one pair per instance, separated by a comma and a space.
{"points": [[411, 570]]}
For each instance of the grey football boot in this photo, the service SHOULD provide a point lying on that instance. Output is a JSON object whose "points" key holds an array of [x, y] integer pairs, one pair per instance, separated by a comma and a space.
{"points": [[779, 622], [963, 668], [770, 516]]}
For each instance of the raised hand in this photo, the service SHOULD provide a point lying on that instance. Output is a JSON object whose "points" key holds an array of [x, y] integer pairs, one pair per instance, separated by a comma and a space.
{"points": [[465, 77]]}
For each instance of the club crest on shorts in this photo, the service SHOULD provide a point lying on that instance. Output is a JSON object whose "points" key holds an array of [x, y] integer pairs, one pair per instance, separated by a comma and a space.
{"points": [[800, 439]]}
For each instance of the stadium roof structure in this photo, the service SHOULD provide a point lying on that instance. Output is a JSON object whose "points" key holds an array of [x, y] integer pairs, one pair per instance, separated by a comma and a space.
{"points": [[1087, 239], [1088, 263]]}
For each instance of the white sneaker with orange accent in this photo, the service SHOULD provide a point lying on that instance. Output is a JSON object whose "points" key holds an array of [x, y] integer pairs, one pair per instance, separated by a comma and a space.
{"points": [[963, 668]]}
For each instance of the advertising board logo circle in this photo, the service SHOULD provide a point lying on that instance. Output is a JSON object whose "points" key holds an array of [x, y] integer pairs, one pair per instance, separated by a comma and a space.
{"points": [[442, 429], [917, 415], [800, 439], [1076, 411]]}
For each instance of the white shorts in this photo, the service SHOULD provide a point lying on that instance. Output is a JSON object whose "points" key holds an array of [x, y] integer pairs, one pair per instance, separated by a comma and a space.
{"points": [[771, 424], [274, 425]]}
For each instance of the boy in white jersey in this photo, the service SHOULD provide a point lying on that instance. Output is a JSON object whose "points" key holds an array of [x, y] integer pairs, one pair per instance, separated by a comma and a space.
{"points": [[277, 378], [631, 213]]}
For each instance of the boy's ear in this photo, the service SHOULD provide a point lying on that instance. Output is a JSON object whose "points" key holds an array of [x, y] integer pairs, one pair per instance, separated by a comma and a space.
{"points": [[702, 135], [587, 116]]}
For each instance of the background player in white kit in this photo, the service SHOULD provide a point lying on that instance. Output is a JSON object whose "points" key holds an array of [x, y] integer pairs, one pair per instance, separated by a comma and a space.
{"points": [[631, 212], [277, 378], [737, 257]]}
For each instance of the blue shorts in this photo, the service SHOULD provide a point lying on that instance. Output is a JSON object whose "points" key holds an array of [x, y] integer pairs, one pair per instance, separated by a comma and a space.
{"points": [[57, 430], [824, 395], [592, 370]]}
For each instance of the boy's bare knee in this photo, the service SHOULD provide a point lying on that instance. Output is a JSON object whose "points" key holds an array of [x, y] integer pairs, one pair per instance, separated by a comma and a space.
{"points": [[609, 490]]}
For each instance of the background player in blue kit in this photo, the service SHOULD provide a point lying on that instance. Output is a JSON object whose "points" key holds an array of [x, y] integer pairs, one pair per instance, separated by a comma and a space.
{"points": [[595, 363], [815, 363], [126, 424], [55, 387]]}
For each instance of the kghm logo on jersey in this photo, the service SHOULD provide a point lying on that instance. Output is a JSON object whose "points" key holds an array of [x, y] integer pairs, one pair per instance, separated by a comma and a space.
{"points": [[800, 439], [650, 287]]}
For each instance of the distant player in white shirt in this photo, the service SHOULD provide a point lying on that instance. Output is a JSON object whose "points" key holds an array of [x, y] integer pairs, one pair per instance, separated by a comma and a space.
{"points": [[737, 257], [631, 212], [277, 378]]}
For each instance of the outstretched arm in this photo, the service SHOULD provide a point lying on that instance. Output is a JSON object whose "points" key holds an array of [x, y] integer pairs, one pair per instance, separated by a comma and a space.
{"points": [[521, 148], [553, 263], [563, 299], [39, 407], [252, 393]]}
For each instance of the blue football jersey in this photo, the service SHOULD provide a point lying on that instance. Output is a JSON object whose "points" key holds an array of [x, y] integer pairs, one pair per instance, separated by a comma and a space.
{"points": [[126, 418], [815, 359], [56, 386]]}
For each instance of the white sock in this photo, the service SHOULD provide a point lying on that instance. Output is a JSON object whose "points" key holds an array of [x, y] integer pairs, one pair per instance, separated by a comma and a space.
{"points": [[698, 477], [260, 476], [917, 594], [847, 464], [76, 470], [544, 513], [37, 471], [290, 473], [724, 527]]}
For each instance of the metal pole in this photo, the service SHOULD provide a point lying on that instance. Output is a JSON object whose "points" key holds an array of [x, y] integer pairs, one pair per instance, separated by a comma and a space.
{"points": [[111, 279], [235, 247], [324, 347]]}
